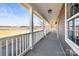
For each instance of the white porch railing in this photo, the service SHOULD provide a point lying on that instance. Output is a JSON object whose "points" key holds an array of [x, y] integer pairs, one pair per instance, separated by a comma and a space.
{"points": [[18, 44], [37, 36]]}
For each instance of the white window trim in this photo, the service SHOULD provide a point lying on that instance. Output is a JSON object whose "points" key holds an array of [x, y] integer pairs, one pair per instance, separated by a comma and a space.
{"points": [[74, 46]]}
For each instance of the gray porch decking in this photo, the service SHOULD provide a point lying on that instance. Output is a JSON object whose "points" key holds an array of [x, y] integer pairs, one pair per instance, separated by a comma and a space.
{"points": [[48, 46]]}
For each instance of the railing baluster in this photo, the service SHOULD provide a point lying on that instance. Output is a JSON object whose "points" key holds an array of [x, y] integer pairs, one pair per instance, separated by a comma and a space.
{"points": [[7, 47], [25, 42], [0, 48], [16, 46], [12, 41], [34, 39], [20, 44]]}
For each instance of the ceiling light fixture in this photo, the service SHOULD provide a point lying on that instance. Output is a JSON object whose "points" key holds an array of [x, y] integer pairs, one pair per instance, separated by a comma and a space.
{"points": [[49, 11]]}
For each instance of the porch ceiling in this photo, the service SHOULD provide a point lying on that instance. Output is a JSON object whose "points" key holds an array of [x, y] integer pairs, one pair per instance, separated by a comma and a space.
{"points": [[42, 8]]}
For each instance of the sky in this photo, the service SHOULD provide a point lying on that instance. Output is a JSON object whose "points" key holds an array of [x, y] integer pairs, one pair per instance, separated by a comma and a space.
{"points": [[12, 14]]}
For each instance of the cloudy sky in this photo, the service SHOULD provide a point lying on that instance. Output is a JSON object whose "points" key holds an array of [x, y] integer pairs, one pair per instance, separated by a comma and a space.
{"points": [[12, 14]]}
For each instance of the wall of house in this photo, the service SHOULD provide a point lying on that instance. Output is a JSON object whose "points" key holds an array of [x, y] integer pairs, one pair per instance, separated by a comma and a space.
{"points": [[61, 31], [68, 10]]}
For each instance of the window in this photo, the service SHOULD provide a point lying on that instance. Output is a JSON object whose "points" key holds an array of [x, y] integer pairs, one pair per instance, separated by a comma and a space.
{"points": [[73, 30], [38, 23], [74, 8]]}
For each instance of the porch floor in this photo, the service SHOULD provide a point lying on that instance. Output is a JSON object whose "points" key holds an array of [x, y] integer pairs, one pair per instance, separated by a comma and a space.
{"points": [[47, 46]]}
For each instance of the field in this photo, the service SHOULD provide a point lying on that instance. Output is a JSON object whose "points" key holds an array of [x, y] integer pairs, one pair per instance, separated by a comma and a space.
{"points": [[9, 31], [4, 33]]}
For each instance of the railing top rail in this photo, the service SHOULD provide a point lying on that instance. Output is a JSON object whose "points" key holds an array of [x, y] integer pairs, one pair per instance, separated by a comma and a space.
{"points": [[38, 31]]}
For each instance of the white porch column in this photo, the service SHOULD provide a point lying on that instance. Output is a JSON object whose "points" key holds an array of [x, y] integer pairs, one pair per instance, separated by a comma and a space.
{"points": [[43, 27], [66, 21], [31, 28]]}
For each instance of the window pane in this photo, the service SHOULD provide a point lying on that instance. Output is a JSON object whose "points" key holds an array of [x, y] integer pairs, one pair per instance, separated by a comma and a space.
{"points": [[77, 23], [77, 30], [71, 33]]}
